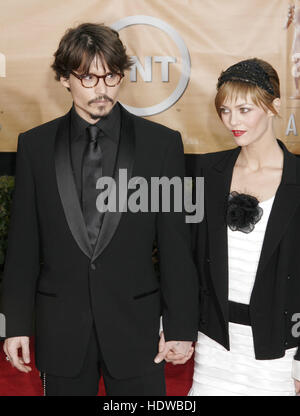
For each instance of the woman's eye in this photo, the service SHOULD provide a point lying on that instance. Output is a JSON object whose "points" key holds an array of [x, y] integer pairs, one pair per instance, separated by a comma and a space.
{"points": [[224, 111], [87, 77], [244, 110]]}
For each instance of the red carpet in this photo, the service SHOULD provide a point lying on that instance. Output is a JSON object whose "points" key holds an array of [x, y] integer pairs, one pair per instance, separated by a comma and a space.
{"points": [[15, 383]]}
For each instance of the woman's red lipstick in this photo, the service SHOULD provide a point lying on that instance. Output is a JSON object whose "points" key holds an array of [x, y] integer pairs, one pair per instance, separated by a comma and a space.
{"points": [[238, 133]]}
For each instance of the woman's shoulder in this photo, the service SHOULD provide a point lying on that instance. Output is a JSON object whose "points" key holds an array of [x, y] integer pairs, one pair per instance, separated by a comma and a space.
{"points": [[206, 160]]}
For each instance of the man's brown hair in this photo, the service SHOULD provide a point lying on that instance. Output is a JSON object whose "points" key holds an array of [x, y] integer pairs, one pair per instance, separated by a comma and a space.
{"points": [[80, 45]]}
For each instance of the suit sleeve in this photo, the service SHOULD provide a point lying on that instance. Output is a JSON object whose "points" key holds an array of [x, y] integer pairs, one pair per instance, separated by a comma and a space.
{"points": [[22, 259], [179, 283]]}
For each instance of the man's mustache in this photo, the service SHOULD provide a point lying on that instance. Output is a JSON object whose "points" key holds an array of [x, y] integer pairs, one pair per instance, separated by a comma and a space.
{"points": [[101, 97]]}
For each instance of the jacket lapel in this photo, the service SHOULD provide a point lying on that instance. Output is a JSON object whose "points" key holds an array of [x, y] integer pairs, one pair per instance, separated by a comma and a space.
{"points": [[286, 202], [67, 189], [125, 159], [217, 188]]}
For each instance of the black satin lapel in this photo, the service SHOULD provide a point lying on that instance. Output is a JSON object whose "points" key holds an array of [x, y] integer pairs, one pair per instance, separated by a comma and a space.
{"points": [[125, 159], [67, 189], [217, 187]]}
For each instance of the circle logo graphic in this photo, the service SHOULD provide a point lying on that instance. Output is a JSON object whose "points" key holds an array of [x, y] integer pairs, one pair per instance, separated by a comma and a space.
{"points": [[185, 57]]}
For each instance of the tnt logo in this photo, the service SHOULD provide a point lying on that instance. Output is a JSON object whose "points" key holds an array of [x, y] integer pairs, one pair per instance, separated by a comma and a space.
{"points": [[2, 326], [2, 65], [160, 56], [146, 71]]}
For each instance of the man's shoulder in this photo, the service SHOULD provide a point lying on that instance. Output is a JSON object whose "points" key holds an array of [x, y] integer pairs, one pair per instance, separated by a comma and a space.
{"points": [[44, 128], [151, 126], [41, 136]]}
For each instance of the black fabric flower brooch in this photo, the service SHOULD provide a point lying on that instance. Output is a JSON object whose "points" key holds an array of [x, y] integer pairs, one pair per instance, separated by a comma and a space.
{"points": [[243, 212]]}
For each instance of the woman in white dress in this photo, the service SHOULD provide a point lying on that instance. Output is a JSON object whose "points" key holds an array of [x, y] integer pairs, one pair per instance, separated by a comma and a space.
{"points": [[247, 247]]}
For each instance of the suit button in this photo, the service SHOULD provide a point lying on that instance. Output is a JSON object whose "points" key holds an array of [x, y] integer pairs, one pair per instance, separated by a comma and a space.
{"points": [[285, 312], [93, 266], [208, 260], [289, 277], [286, 343]]}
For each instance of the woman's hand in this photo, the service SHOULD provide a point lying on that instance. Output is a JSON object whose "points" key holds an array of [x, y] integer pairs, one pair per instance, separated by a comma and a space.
{"points": [[176, 352]]}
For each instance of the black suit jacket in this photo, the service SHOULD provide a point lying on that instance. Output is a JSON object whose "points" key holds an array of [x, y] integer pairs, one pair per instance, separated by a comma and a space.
{"points": [[52, 272], [276, 293]]}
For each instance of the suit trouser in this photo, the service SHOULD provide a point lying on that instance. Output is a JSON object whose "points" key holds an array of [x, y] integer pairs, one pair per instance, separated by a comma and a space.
{"points": [[87, 382]]}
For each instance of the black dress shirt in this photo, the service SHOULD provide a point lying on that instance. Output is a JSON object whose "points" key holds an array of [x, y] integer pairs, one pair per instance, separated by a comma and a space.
{"points": [[110, 125]]}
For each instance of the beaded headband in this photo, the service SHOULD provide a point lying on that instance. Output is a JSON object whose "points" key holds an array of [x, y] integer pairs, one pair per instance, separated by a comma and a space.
{"points": [[247, 71]]}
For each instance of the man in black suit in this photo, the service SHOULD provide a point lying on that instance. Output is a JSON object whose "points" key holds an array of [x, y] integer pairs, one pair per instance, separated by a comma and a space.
{"points": [[87, 276]]}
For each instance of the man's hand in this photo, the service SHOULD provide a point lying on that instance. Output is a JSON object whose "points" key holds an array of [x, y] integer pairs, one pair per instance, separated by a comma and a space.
{"points": [[11, 347], [176, 352]]}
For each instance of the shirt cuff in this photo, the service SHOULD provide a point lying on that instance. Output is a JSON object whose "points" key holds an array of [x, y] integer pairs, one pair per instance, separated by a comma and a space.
{"points": [[296, 369]]}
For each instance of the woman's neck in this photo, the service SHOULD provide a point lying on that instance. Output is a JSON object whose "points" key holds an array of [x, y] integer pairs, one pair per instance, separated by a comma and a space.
{"points": [[263, 153]]}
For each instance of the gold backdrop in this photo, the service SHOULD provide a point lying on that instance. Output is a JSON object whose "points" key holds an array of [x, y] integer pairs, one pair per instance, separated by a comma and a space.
{"points": [[216, 34]]}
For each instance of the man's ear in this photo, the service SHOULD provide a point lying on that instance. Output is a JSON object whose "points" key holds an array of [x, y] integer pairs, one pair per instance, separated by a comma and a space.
{"points": [[65, 82]]}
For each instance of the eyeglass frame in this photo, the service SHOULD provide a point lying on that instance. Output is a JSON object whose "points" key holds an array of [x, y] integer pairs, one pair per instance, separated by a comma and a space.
{"points": [[80, 77]]}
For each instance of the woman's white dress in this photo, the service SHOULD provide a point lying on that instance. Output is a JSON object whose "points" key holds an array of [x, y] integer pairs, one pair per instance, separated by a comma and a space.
{"points": [[219, 372]]}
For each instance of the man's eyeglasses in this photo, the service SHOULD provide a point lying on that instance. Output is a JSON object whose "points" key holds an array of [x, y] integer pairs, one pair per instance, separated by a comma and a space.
{"points": [[110, 79]]}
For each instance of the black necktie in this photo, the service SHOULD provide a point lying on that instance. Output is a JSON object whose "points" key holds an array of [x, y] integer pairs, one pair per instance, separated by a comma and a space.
{"points": [[91, 172]]}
